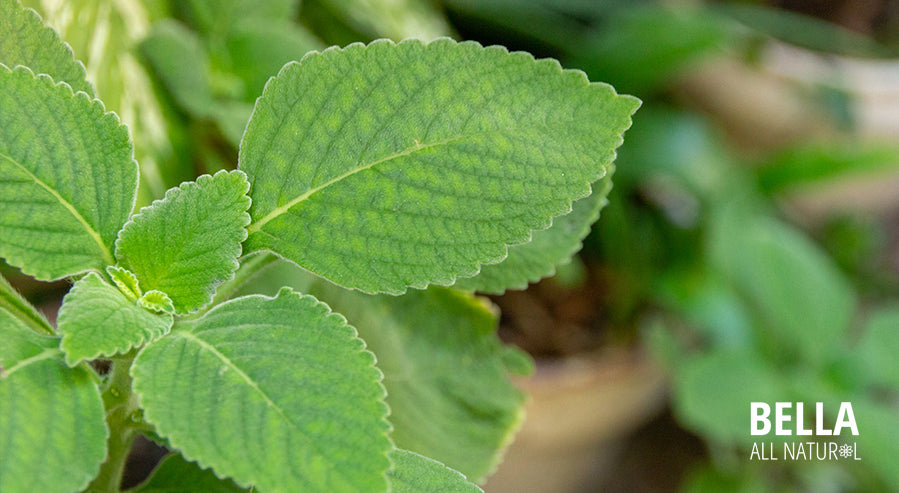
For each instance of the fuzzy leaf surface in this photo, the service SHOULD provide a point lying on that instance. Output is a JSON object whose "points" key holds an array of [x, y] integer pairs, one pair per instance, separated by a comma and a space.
{"points": [[413, 473], [52, 426], [109, 51], [176, 475], [186, 244], [97, 319], [24, 40], [279, 393], [448, 387], [385, 166], [547, 249], [67, 177]]}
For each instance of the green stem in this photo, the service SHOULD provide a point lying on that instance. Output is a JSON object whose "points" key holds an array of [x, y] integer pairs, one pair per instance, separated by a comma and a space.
{"points": [[121, 405]]}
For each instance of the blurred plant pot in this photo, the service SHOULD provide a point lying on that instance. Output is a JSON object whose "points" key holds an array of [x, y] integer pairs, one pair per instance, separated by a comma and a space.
{"points": [[580, 412]]}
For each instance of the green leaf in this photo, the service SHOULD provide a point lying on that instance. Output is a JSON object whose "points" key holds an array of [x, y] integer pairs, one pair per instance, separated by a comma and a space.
{"points": [[104, 35], [180, 61], [18, 307], [258, 48], [217, 17], [802, 302], [157, 301], [96, 319], [877, 444], [713, 392], [448, 387], [24, 40], [67, 177], [389, 165], [125, 281], [275, 392], [413, 473], [642, 48], [52, 427], [176, 475], [547, 249], [879, 346], [188, 243]]}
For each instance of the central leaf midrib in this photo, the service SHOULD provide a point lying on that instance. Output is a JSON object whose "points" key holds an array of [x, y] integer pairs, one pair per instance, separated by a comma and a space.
{"points": [[249, 381], [278, 211], [107, 255]]}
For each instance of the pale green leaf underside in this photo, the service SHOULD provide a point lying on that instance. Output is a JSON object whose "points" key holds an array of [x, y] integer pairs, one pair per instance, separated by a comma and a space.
{"points": [[386, 166], [449, 393], [18, 307], [547, 249], [188, 243], [67, 177], [279, 393], [394, 19], [96, 319], [413, 473], [176, 475], [52, 428], [24, 40]]}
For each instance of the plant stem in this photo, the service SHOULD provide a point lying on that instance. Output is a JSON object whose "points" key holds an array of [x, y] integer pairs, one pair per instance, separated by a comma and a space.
{"points": [[120, 404]]}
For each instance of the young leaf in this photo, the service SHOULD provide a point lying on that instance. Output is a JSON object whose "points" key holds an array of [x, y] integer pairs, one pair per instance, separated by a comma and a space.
{"points": [[96, 319], [52, 427], [125, 281], [413, 473], [67, 177], [447, 385], [392, 165], [24, 40], [275, 392], [176, 475], [188, 243], [547, 249]]}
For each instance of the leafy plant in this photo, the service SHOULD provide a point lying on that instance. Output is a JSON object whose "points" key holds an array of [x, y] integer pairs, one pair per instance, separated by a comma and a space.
{"points": [[376, 167]]}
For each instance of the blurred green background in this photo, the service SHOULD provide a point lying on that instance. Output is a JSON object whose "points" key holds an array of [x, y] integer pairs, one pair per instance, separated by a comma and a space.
{"points": [[750, 249]]}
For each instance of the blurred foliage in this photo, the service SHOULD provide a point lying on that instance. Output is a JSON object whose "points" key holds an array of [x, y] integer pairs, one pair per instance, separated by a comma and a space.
{"points": [[738, 299]]}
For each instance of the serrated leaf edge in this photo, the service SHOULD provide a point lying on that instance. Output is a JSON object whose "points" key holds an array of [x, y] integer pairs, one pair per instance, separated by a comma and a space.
{"points": [[143, 341], [104, 115], [54, 36], [174, 192], [469, 44], [387, 427]]}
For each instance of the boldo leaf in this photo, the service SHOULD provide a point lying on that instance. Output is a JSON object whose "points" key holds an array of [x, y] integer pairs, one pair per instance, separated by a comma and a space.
{"points": [[547, 249], [276, 392], [96, 319], [24, 40], [52, 427], [188, 243], [448, 386], [413, 473], [385, 166], [176, 475], [67, 177]]}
